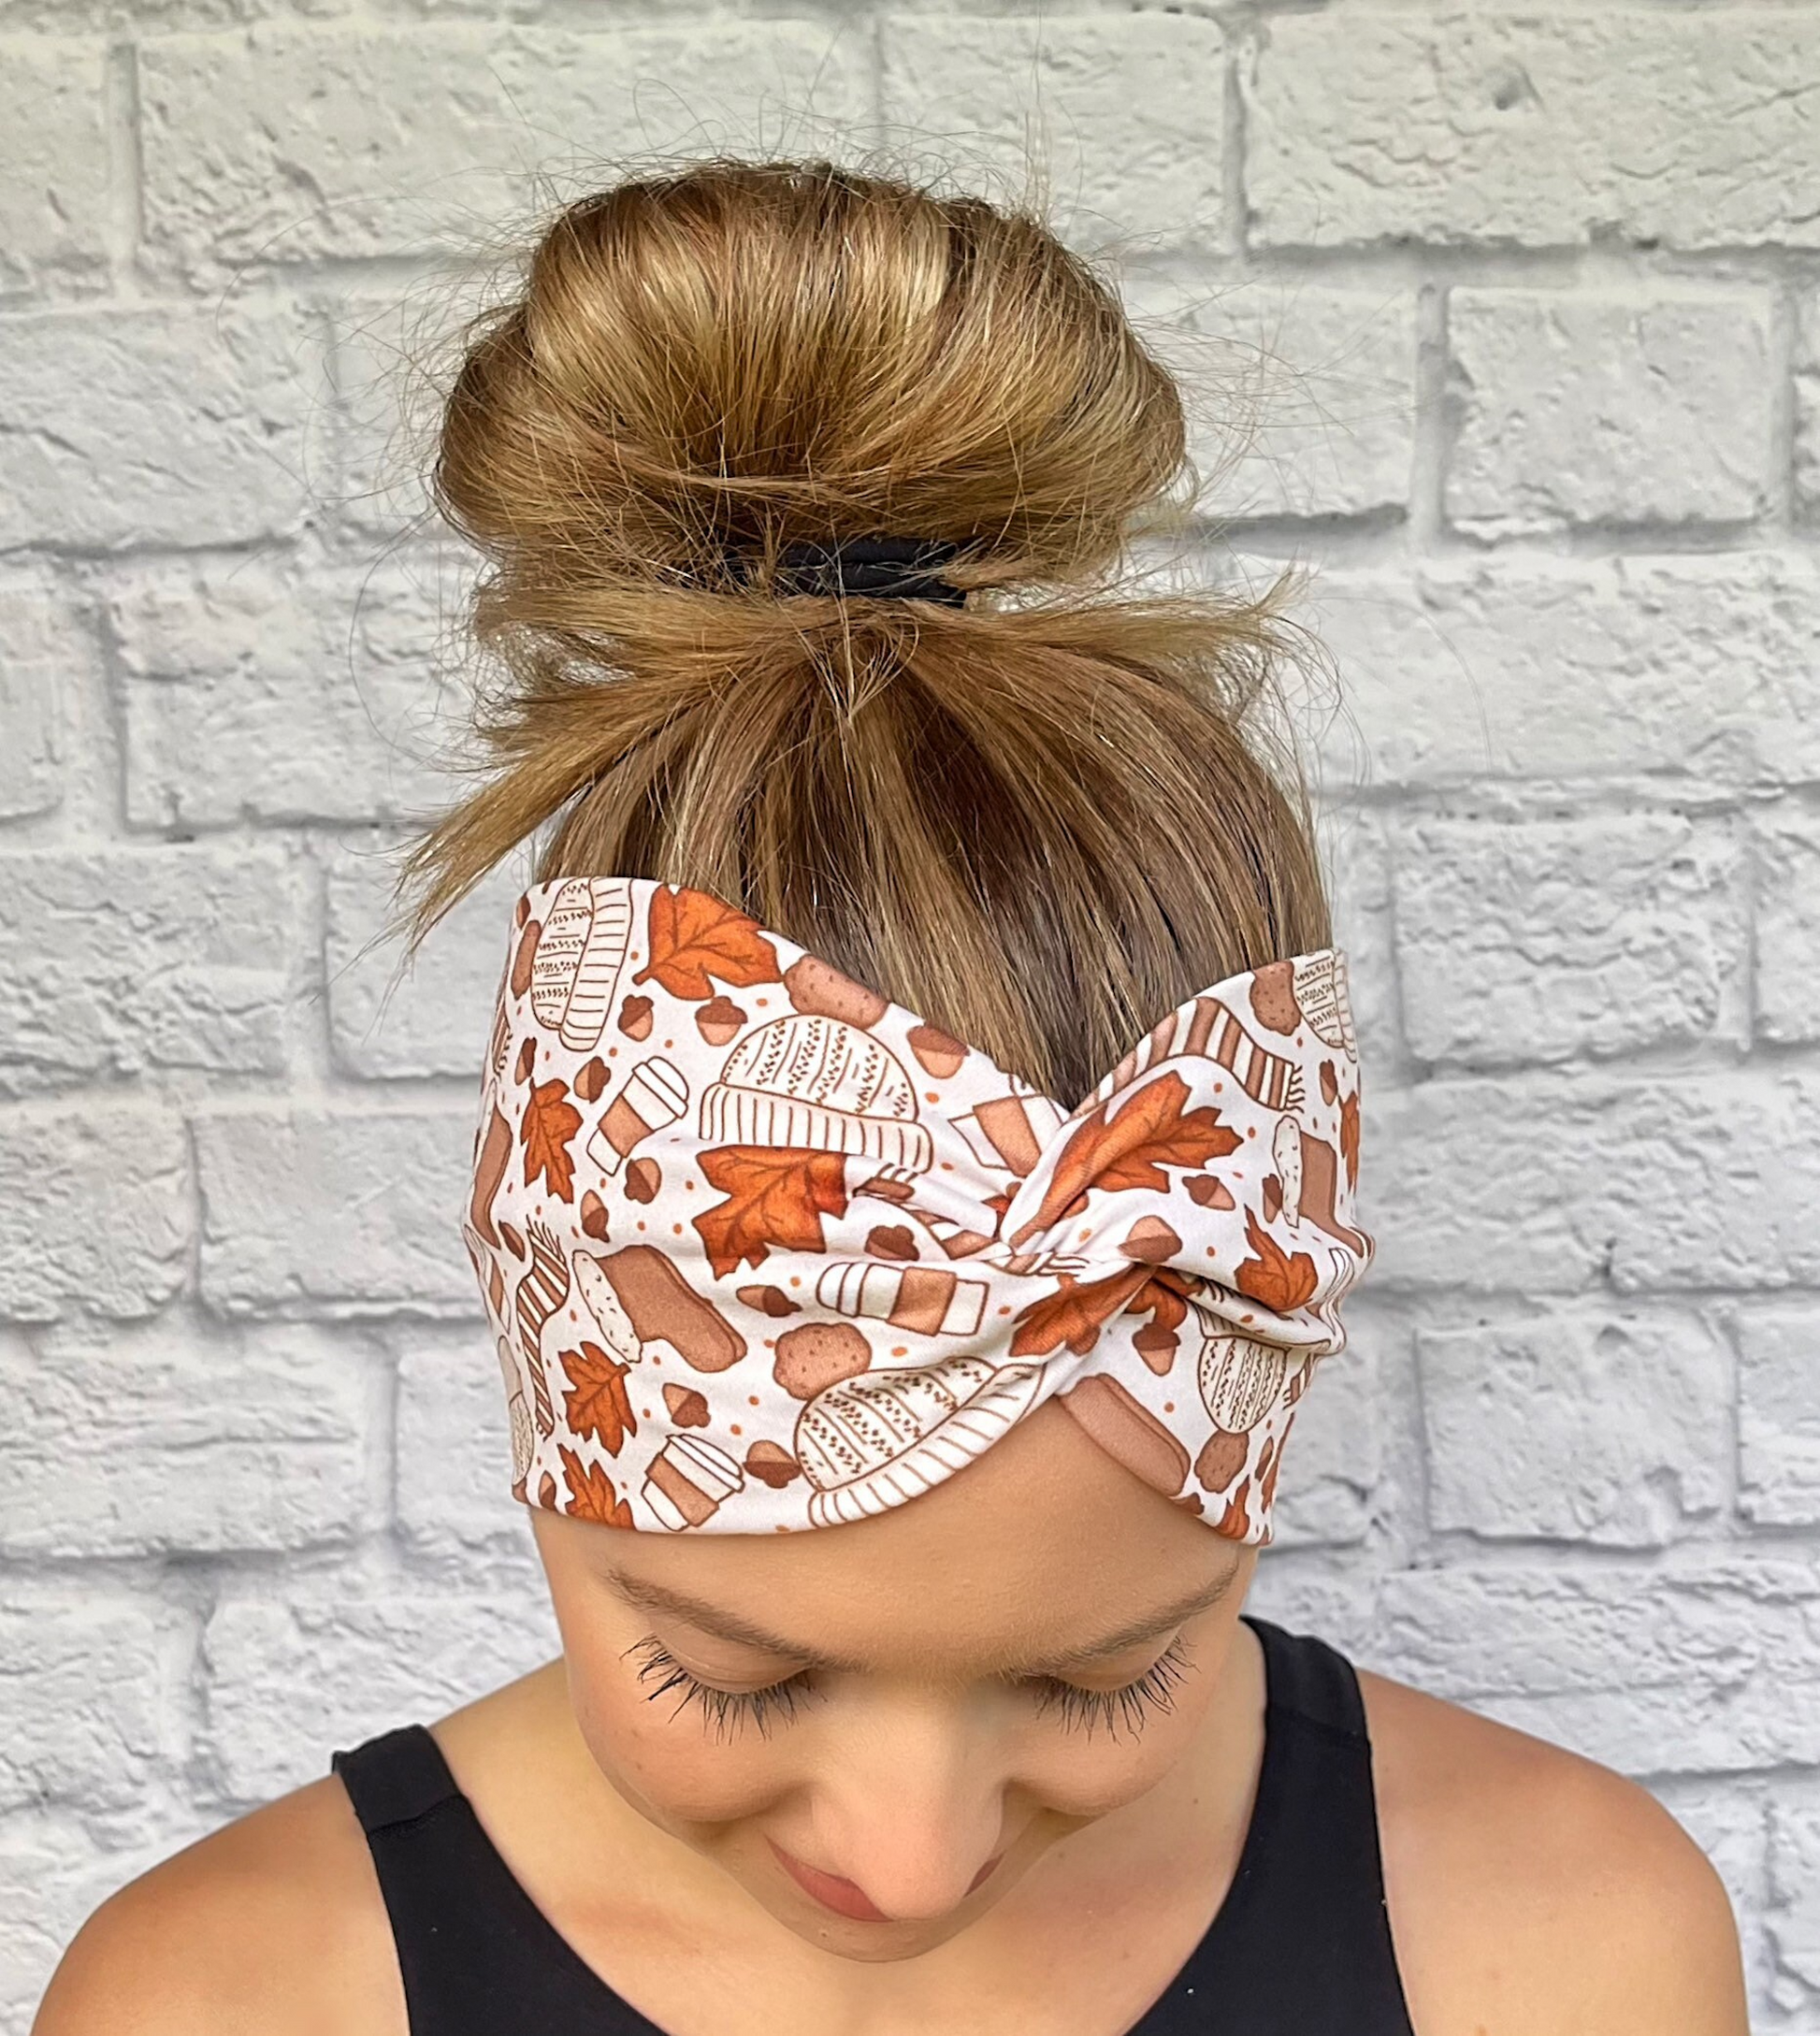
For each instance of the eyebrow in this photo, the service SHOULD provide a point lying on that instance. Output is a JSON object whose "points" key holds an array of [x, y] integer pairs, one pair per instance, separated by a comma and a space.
{"points": [[729, 1626]]}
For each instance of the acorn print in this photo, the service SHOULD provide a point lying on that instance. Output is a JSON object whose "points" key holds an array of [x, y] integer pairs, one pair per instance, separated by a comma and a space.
{"points": [[719, 1021], [771, 1466], [688, 1409], [827, 1253], [938, 1053]]}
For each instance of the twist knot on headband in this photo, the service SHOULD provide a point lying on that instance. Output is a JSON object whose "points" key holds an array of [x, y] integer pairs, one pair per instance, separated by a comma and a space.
{"points": [[762, 1250]]}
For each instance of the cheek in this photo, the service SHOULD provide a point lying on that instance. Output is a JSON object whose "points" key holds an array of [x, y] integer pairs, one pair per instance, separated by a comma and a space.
{"points": [[1079, 1774]]}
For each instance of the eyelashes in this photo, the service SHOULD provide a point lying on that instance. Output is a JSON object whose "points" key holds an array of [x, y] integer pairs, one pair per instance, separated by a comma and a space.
{"points": [[1131, 1704], [726, 1712]]}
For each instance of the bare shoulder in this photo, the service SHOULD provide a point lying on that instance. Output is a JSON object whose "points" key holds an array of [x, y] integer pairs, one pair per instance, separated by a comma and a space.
{"points": [[1534, 1893], [273, 1923]]}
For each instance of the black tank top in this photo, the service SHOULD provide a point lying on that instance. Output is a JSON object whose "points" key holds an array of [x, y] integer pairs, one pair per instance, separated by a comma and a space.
{"points": [[1301, 1946]]}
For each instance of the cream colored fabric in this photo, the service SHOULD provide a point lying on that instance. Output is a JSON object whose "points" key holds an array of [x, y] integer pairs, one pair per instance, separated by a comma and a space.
{"points": [[762, 1250]]}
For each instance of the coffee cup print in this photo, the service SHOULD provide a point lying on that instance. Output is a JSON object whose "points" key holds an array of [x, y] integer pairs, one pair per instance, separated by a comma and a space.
{"points": [[818, 1083], [655, 1094], [927, 1299], [580, 954], [687, 1480], [880, 1438], [1011, 1130], [1240, 1380]]}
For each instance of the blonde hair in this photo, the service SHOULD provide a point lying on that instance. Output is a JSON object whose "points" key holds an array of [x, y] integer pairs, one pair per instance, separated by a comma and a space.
{"points": [[1040, 819]]}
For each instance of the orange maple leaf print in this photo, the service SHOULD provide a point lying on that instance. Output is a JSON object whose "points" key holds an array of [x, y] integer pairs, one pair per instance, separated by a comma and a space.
{"points": [[776, 1195], [1348, 1136], [597, 1404], [1280, 1279], [1074, 1315], [695, 938], [551, 1120], [1131, 1147], [591, 1496]]}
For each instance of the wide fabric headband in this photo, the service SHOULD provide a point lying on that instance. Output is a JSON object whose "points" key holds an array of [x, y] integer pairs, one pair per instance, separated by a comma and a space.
{"points": [[763, 1250]]}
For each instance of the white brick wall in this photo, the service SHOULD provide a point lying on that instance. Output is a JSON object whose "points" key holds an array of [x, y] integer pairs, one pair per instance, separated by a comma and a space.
{"points": [[1520, 311]]}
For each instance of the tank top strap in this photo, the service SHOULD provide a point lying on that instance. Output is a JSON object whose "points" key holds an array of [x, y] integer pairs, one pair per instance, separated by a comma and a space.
{"points": [[476, 1955], [395, 1778], [1302, 1942]]}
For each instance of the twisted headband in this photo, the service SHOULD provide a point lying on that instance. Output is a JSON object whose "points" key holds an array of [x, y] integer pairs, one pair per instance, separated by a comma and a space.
{"points": [[762, 1250]]}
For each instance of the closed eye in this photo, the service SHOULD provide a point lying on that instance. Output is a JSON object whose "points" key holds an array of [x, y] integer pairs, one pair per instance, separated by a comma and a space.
{"points": [[1129, 1706]]}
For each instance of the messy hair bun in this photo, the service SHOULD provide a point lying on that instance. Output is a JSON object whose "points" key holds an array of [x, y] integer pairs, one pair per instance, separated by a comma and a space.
{"points": [[1036, 817]]}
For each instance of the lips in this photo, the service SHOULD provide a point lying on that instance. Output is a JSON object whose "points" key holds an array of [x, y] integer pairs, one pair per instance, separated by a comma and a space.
{"points": [[846, 1898]]}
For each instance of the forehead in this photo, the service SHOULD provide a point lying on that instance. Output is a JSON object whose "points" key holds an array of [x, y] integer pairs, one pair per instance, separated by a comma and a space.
{"points": [[1043, 1544]]}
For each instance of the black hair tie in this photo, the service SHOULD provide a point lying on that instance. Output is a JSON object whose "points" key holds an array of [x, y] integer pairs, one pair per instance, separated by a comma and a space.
{"points": [[871, 568]]}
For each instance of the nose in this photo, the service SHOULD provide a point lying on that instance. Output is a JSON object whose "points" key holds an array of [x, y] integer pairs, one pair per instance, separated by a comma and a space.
{"points": [[911, 1815]]}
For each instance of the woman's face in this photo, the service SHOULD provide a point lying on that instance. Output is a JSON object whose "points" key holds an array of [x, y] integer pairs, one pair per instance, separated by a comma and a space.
{"points": [[877, 1729]]}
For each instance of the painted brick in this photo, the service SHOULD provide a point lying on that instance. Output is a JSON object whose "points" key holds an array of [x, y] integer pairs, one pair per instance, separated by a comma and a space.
{"points": [[1660, 1673], [116, 961], [54, 205], [380, 429], [153, 424], [256, 693], [1302, 401], [1338, 1447], [1045, 108], [1539, 941], [1574, 669], [454, 1461], [430, 1016], [323, 1211], [422, 138], [37, 646], [1700, 1181], [1576, 408], [1378, 125], [81, 1687], [97, 1208], [177, 1437], [1807, 408], [1787, 861], [1560, 520], [1794, 1911], [1778, 1414], [291, 1680], [1601, 1427]]}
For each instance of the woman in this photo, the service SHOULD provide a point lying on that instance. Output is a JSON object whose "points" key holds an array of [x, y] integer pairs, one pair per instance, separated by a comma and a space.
{"points": [[898, 1436]]}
